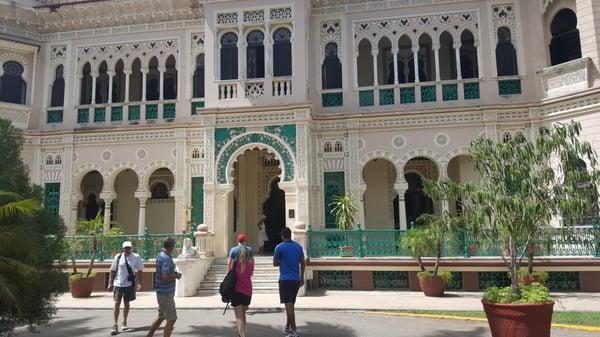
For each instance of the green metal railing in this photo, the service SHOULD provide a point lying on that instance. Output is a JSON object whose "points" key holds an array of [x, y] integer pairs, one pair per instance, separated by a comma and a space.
{"points": [[382, 242], [147, 245]]}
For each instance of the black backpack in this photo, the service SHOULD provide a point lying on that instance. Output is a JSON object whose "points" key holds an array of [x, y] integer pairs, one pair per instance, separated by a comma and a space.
{"points": [[227, 287]]}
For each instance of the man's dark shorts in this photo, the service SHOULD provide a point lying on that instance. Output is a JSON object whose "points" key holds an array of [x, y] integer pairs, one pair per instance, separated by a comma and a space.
{"points": [[288, 291], [127, 294]]}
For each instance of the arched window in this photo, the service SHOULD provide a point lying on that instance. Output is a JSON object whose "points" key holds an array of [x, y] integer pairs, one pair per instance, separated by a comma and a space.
{"points": [[447, 57], [282, 52], [58, 160], [406, 62], [506, 54], [58, 87], [136, 81], [153, 81], [195, 153], [566, 44], [13, 88], [160, 191], [170, 79], [49, 160], [331, 70], [85, 96], [102, 84], [328, 147], [426, 59], [229, 56], [199, 77], [469, 62], [338, 146], [385, 62], [118, 89], [255, 54], [506, 137], [364, 64]]}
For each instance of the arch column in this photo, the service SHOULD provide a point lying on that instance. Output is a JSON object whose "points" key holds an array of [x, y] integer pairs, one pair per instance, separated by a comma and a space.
{"points": [[223, 217], [178, 222], [144, 75], [142, 198], [161, 85], [111, 74], [107, 197], [291, 203], [127, 73], [436, 54], [374, 54], [268, 43], [401, 190], [395, 55], [72, 221], [415, 51], [359, 195], [456, 47], [94, 79]]}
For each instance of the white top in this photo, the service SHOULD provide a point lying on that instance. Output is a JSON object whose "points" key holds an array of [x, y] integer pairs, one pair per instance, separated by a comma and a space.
{"points": [[120, 278], [262, 235]]}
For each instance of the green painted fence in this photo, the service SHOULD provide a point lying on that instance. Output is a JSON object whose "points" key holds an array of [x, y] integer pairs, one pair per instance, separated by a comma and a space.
{"points": [[146, 245], [376, 243]]}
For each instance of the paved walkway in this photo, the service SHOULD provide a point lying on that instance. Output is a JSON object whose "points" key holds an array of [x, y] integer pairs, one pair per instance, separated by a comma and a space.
{"points": [[337, 300]]}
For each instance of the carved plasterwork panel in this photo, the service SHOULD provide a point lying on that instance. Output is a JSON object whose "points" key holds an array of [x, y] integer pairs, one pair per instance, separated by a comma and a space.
{"points": [[505, 15], [331, 31]]}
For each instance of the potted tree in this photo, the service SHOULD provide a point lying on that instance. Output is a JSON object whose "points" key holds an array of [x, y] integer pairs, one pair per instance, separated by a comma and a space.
{"points": [[82, 284], [344, 210], [524, 185]]}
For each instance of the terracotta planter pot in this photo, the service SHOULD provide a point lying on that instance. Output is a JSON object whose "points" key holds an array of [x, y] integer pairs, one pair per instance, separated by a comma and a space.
{"points": [[82, 287], [433, 286], [519, 320]]}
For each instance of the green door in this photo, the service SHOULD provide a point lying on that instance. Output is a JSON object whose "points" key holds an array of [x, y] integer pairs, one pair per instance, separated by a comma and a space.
{"points": [[333, 184]]}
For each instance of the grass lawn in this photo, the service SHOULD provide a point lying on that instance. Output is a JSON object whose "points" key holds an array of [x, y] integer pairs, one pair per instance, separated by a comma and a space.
{"points": [[562, 317]]}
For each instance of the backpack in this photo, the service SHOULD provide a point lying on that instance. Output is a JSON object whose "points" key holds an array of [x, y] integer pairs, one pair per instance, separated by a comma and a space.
{"points": [[227, 287]]}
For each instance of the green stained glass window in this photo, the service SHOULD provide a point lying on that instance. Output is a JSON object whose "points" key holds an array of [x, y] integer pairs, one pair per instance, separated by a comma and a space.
{"points": [[333, 184], [390, 280], [407, 95], [54, 116], [169, 111], [450, 92], [386, 96], [83, 115], [338, 279], [198, 200], [116, 113], [134, 113], [99, 115], [197, 105], [151, 111], [332, 99], [52, 198], [365, 98], [471, 90], [493, 279], [428, 93], [509, 87]]}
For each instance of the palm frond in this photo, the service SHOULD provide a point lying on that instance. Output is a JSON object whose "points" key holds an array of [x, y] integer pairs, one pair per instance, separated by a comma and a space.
{"points": [[8, 293], [19, 207]]}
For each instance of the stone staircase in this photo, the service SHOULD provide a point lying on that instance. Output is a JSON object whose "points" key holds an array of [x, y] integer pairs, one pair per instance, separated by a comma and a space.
{"points": [[264, 281]]}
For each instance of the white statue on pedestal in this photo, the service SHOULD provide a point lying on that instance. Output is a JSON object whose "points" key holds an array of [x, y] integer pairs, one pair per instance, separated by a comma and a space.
{"points": [[188, 251]]}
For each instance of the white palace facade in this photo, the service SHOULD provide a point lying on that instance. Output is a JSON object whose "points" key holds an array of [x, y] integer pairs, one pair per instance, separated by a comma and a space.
{"points": [[160, 112]]}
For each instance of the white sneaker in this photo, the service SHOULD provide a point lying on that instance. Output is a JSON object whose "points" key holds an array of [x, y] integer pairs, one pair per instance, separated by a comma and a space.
{"points": [[114, 331], [124, 327]]}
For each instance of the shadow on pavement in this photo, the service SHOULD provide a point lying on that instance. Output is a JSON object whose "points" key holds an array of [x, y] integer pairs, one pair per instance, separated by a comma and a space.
{"points": [[476, 332], [63, 327], [312, 329]]}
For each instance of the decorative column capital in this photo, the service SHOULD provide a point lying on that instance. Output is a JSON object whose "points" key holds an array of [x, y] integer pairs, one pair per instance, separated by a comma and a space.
{"points": [[108, 197]]}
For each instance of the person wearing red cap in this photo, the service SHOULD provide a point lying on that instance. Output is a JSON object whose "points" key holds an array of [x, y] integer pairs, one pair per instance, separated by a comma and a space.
{"points": [[233, 253]]}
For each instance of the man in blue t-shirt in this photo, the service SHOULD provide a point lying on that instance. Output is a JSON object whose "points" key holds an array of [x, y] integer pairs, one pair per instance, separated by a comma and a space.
{"points": [[289, 257], [233, 253], [165, 289]]}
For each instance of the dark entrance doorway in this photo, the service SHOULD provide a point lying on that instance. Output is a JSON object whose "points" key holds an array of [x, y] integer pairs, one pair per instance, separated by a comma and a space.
{"points": [[274, 210], [417, 202]]}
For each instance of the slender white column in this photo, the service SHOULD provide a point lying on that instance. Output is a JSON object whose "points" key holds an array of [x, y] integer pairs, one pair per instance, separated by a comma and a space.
{"points": [[142, 213], [107, 214], [111, 74], [161, 85], [458, 64], [144, 74], [395, 53], [416, 64], [402, 209], [127, 73], [436, 52], [268, 51], [374, 53], [95, 78]]}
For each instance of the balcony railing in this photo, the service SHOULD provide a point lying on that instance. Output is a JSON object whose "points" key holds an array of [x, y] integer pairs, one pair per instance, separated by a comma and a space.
{"points": [[377, 243], [567, 77], [18, 114], [121, 113], [255, 88]]}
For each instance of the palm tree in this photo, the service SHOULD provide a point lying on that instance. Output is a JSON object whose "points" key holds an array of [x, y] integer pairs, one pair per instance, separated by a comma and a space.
{"points": [[91, 227], [14, 242], [343, 209]]}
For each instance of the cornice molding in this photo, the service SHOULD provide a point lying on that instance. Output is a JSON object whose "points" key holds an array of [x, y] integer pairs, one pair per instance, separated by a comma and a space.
{"points": [[326, 7]]}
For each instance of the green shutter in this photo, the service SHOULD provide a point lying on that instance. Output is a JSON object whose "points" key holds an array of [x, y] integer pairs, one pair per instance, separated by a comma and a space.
{"points": [[333, 184], [52, 198], [197, 200]]}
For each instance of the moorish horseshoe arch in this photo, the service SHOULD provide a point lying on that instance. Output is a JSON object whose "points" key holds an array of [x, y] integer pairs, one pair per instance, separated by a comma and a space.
{"points": [[251, 140], [381, 154]]}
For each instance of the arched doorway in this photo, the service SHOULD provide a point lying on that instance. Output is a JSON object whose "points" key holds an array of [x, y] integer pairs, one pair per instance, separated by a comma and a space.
{"points": [[125, 209], [380, 200], [91, 186], [416, 202], [256, 177], [160, 208]]}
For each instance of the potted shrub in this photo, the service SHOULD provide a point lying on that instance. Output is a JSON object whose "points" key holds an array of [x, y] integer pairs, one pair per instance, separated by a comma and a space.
{"points": [[344, 210], [82, 284], [524, 184]]}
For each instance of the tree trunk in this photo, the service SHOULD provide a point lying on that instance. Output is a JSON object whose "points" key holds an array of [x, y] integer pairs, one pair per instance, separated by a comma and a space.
{"points": [[530, 256], [94, 253], [438, 256], [420, 262], [514, 270], [74, 266]]}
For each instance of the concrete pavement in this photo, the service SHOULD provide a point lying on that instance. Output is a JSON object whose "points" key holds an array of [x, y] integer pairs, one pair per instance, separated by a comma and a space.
{"points": [[211, 323], [337, 300]]}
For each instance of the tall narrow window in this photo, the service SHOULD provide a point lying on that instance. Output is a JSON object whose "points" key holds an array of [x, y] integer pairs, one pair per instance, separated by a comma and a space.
{"points": [[153, 81], [385, 62], [58, 87], [229, 56], [469, 64], [85, 96], [447, 57], [136, 81], [282, 52], [406, 62], [331, 70], [566, 44], [170, 79], [364, 64], [199, 77], [118, 88], [506, 54], [102, 84], [255, 54], [426, 59], [13, 88]]}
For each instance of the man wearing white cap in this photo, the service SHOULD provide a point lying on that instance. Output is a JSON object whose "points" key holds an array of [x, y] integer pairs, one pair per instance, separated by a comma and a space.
{"points": [[124, 281]]}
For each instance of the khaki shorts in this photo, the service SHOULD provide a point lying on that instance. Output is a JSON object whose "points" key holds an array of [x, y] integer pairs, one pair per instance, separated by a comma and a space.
{"points": [[166, 307]]}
